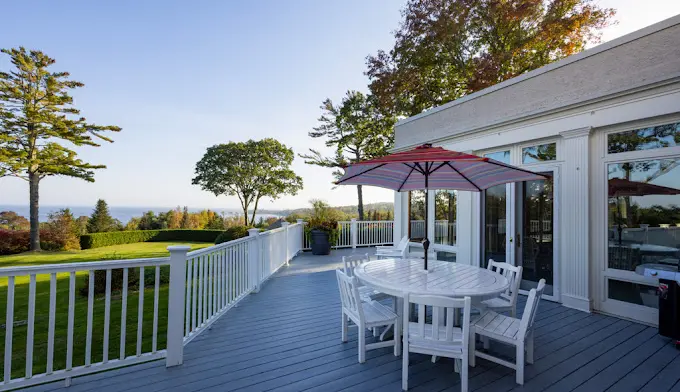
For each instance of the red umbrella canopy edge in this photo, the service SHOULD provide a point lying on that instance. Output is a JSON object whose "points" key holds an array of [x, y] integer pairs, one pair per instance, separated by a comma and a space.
{"points": [[428, 167]]}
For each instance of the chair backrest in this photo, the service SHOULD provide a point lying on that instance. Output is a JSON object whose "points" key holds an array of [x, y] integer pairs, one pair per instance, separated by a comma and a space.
{"points": [[527, 322], [351, 262], [514, 276], [349, 295], [443, 331], [403, 243]]}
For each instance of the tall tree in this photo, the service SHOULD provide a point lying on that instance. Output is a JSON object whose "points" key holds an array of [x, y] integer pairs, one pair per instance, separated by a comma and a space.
{"points": [[101, 221], [186, 221], [356, 130], [38, 123], [249, 170], [446, 49]]}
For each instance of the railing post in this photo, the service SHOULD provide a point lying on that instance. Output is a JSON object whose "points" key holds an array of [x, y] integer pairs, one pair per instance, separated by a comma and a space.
{"points": [[175, 334], [354, 233], [285, 229], [301, 222], [254, 258]]}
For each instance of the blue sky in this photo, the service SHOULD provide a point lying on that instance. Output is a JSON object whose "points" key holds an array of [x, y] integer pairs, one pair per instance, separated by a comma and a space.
{"points": [[179, 77]]}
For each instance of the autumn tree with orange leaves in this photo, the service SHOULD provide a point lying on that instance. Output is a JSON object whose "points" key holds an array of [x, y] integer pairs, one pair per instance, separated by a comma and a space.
{"points": [[446, 49]]}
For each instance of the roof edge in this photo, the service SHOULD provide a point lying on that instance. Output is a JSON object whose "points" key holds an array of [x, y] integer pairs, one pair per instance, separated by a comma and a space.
{"points": [[635, 35]]}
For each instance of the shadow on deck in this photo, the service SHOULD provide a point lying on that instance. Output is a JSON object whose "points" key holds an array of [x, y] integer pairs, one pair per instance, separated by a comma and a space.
{"points": [[287, 338]]}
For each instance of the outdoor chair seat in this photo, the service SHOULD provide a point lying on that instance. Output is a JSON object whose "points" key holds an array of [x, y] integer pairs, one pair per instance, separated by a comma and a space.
{"points": [[506, 301], [428, 343]]}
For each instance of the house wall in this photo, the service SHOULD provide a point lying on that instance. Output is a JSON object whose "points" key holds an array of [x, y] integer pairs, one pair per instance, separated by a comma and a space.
{"points": [[648, 56]]}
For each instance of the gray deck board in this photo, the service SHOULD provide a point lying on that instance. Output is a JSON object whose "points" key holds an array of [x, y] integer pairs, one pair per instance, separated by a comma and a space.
{"points": [[287, 338]]}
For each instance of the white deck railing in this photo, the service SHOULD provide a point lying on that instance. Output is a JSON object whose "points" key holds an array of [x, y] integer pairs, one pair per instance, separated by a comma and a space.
{"points": [[361, 233], [189, 291]]}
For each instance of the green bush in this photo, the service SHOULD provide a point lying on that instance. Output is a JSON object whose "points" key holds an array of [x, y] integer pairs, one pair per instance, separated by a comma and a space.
{"points": [[117, 279], [232, 233], [98, 240]]}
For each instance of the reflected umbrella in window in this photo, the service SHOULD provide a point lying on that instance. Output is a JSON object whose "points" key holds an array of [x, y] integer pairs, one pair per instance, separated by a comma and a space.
{"points": [[432, 168], [621, 188]]}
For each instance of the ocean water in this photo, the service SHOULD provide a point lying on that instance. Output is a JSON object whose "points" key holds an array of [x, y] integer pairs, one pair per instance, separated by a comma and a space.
{"points": [[123, 214]]}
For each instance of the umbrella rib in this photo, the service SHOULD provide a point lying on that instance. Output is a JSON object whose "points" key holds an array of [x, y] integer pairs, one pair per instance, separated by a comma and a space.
{"points": [[463, 175], [407, 176], [516, 168], [359, 174], [438, 167]]}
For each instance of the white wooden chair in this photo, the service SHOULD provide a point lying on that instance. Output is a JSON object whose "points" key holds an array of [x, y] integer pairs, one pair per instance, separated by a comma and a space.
{"points": [[400, 250], [509, 330], [365, 315], [367, 293], [507, 301], [440, 338]]}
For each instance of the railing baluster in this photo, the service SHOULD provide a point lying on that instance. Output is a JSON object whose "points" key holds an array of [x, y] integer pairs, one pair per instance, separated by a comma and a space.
{"points": [[230, 275], [50, 329], [200, 292], [31, 327], [90, 311], [71, 314], [204, 294], [187, 300], [9, 328], [123, 314], [107, 316], [218, 278], [194, 299], [157, 285], [211, 274], [140, 311]]}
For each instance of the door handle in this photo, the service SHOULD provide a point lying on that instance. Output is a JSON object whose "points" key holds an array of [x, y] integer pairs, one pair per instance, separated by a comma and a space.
{"points": [[518, 240]]}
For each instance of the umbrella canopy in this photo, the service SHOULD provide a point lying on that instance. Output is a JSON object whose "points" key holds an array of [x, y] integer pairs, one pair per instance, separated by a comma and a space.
{"points": [[620, 187], [428, 167]]}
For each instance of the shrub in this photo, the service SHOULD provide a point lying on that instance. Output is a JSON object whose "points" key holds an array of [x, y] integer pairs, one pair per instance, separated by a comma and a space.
{"points": [[117, 279], [232, 233], [14, 241], [98, 240]]}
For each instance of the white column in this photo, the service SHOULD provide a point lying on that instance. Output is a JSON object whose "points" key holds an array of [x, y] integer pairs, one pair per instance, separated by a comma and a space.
{"points": [[574, 225], [254, 258], [175, 333], [285, 229], [465, 229], [301, 223], [398, 227], [354, 233]]}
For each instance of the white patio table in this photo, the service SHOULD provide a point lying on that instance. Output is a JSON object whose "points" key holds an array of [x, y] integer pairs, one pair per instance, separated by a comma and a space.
{"points": [[396, 276]]}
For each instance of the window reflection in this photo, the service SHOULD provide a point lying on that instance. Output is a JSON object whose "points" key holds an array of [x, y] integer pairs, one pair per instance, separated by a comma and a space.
{"points": [[501, 156], [416, 215], [634, 293], [540, 153], [494, 224], [644, 213], [445, 217], [661, 136]]}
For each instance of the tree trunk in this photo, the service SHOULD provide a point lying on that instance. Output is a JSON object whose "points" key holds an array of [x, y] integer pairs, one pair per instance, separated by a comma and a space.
{"points": [[360, 206], [33, 182], [252, 220], [245, 216]]}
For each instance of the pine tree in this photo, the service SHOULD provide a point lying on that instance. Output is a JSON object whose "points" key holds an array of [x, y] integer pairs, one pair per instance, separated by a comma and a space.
{"points": [[101, 221], [186, 219], [38, 123]]}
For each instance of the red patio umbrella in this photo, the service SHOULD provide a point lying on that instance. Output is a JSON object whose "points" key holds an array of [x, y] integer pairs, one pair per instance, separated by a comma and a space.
{"points": [[427, 167]]}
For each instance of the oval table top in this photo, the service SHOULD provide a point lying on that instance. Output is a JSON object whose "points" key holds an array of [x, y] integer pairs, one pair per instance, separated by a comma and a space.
{"points": [[395, 276]]}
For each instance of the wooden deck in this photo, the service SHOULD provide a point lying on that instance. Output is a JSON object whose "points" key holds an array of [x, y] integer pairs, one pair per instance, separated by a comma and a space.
{"points": [[287, 338]]}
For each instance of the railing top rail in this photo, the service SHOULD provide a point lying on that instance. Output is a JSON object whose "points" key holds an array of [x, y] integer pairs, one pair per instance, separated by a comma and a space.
{"points": [[213, 248], [82, 266]]}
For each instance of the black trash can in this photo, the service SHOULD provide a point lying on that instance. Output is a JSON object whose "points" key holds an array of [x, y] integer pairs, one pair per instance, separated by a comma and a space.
{"points": [[669, 314]]}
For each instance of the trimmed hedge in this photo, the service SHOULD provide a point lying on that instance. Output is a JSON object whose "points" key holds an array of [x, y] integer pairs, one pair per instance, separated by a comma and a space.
{"points": [[232, 233], [98, 240]]}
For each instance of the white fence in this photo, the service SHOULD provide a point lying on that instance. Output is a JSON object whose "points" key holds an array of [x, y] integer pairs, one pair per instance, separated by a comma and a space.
{"points": [[67, 320], [360, 233]]}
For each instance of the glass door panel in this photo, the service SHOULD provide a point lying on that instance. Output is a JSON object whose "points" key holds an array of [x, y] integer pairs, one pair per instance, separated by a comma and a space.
{"points": [[495, 218], [535, 251]]}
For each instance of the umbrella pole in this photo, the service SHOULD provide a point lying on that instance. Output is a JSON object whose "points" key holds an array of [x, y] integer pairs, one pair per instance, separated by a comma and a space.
{"points": [[426, 242]]}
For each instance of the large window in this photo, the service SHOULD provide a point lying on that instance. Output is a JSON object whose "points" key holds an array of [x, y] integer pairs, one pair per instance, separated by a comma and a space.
{"points": [[445, 217], [650, 138], [494, 200], [416, 215], [643, 221]]}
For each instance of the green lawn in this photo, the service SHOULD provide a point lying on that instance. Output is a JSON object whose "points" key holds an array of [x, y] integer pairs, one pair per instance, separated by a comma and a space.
{"points": [[128, 251]]}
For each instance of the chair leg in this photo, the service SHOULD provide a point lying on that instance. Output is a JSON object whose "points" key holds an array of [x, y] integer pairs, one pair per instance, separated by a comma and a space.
{"points": [[464, 374], [530, 348], [519, 377], [485, 340], [404, 368], [471, 348], [513, 311], [375, 332], [397, 339], [345, 323], [362, 344]]}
